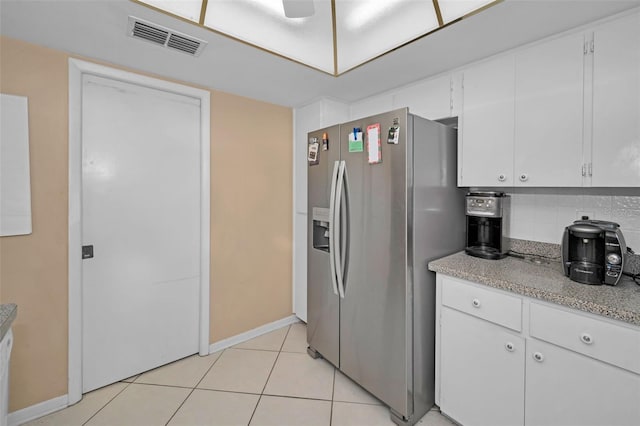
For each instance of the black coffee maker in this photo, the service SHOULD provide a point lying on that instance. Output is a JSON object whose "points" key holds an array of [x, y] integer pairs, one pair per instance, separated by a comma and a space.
{"points": [[593, 252], [487, 224]]}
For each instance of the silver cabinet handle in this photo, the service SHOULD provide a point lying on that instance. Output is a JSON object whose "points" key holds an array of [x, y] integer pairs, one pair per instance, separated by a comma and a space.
{"points": [[475, 303], [524, 177], [332, 242], [538, 356], [502, 178], [509, 346], [586, 338]]}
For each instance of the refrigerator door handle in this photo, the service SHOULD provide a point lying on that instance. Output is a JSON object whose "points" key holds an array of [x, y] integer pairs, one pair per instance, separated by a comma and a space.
{"points": [[336, 228], [345, 237], [332, 244]]}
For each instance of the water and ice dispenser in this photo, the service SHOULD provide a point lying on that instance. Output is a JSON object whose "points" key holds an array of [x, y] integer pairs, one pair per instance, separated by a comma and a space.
{"points": [[321, 228]]}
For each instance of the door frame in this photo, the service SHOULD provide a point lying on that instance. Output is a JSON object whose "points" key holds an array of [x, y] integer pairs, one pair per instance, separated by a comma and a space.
{"points": [[78, 68]]}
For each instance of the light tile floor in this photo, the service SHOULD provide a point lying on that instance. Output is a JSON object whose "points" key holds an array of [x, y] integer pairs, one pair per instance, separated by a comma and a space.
{"points": [[266, 381]]}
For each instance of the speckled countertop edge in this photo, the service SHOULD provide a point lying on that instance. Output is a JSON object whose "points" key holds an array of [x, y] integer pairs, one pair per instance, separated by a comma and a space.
{"points": [[8, 313], [545, 282]]}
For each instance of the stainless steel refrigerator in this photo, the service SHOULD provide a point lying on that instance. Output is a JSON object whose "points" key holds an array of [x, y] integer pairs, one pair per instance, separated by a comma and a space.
{"points": [[382, 203]]}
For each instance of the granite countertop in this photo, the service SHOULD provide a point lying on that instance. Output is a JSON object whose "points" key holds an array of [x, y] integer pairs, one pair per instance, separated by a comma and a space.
{"points": [[545, 281], [8, 313]]}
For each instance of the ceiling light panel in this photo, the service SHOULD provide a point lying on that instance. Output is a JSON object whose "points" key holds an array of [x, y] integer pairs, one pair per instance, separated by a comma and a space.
{"points": [[188, 9], [263, 23], [365, 29], [454, 9]]}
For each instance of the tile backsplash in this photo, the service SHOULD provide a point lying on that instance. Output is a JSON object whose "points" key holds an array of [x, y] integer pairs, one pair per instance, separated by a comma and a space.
{"points": [[541, 214]]}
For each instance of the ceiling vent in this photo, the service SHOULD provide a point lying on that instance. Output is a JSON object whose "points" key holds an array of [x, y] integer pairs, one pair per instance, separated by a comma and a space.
{"points": [[154, 33]]}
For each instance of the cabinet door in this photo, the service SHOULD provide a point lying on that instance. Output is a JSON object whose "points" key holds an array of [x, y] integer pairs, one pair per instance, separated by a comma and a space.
{"points": [[485, 138], [616, 104], [566, 388], [481, 370], [549, 113]]}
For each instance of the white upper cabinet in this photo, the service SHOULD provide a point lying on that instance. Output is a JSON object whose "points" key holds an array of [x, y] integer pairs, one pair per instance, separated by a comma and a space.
{"points": [[567, 113], [549, 113], [429, 99], [485, 136], [616, 104]]}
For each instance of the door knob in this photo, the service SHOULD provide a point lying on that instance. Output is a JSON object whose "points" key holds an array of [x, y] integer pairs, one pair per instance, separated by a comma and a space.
{"points": [[524, 177], [502, 178]]}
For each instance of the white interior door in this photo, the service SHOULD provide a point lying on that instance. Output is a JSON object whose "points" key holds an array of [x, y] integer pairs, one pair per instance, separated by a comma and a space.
{"points": [[141, 214]]}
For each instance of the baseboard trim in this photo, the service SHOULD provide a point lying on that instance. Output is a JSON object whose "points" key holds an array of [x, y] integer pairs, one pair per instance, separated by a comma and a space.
{"points": [[35, 411], [247, 335]]}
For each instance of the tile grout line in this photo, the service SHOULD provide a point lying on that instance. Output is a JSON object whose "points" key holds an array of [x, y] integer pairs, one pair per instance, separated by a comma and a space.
{"points": [[108, 402], [333, 393], [285, 338], [252, 349], [163, 385], [306, 398], [194, 388], [179, 407], [268, 377], [209, 369]]}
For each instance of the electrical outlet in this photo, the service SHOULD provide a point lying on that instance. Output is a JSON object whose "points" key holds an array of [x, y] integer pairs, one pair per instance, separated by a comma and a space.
{"points": [[586, 215]]}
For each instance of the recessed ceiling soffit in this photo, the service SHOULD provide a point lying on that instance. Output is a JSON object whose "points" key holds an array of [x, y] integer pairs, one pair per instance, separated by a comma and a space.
{"points": [[332, 36]]}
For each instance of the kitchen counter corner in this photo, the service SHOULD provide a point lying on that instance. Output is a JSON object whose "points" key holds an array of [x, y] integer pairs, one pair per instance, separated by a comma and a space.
{"points": [[8, 313], [546, 282]]}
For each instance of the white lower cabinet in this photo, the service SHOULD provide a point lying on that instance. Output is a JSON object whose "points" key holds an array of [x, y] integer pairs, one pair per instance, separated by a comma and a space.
{"points": [[564, 388], [563, 368], [482, 364]]}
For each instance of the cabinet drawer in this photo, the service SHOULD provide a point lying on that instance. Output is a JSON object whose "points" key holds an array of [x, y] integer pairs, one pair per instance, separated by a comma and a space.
{"points": [[483, 303], [612, 343]]}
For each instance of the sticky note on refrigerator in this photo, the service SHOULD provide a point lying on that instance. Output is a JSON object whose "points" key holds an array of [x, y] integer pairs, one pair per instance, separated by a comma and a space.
{"points": [[374, 149], [356, 141]]}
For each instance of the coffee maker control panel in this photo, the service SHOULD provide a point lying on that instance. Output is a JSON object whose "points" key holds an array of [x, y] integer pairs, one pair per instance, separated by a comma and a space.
{"points": [[484, 206], [614, 254]]}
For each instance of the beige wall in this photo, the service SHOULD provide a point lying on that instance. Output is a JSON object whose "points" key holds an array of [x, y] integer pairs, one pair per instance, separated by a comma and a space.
{"points": [[250, 220], [33, 268], [251, 204]]}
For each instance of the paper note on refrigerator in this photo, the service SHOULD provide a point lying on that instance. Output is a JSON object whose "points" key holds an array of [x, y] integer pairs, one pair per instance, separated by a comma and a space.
{"points": [[373, 144], [355, 140]]}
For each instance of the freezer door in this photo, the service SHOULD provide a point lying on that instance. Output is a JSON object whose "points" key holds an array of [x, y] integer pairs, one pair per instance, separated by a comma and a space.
{"points": [[375, 314], [322, 303]]}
